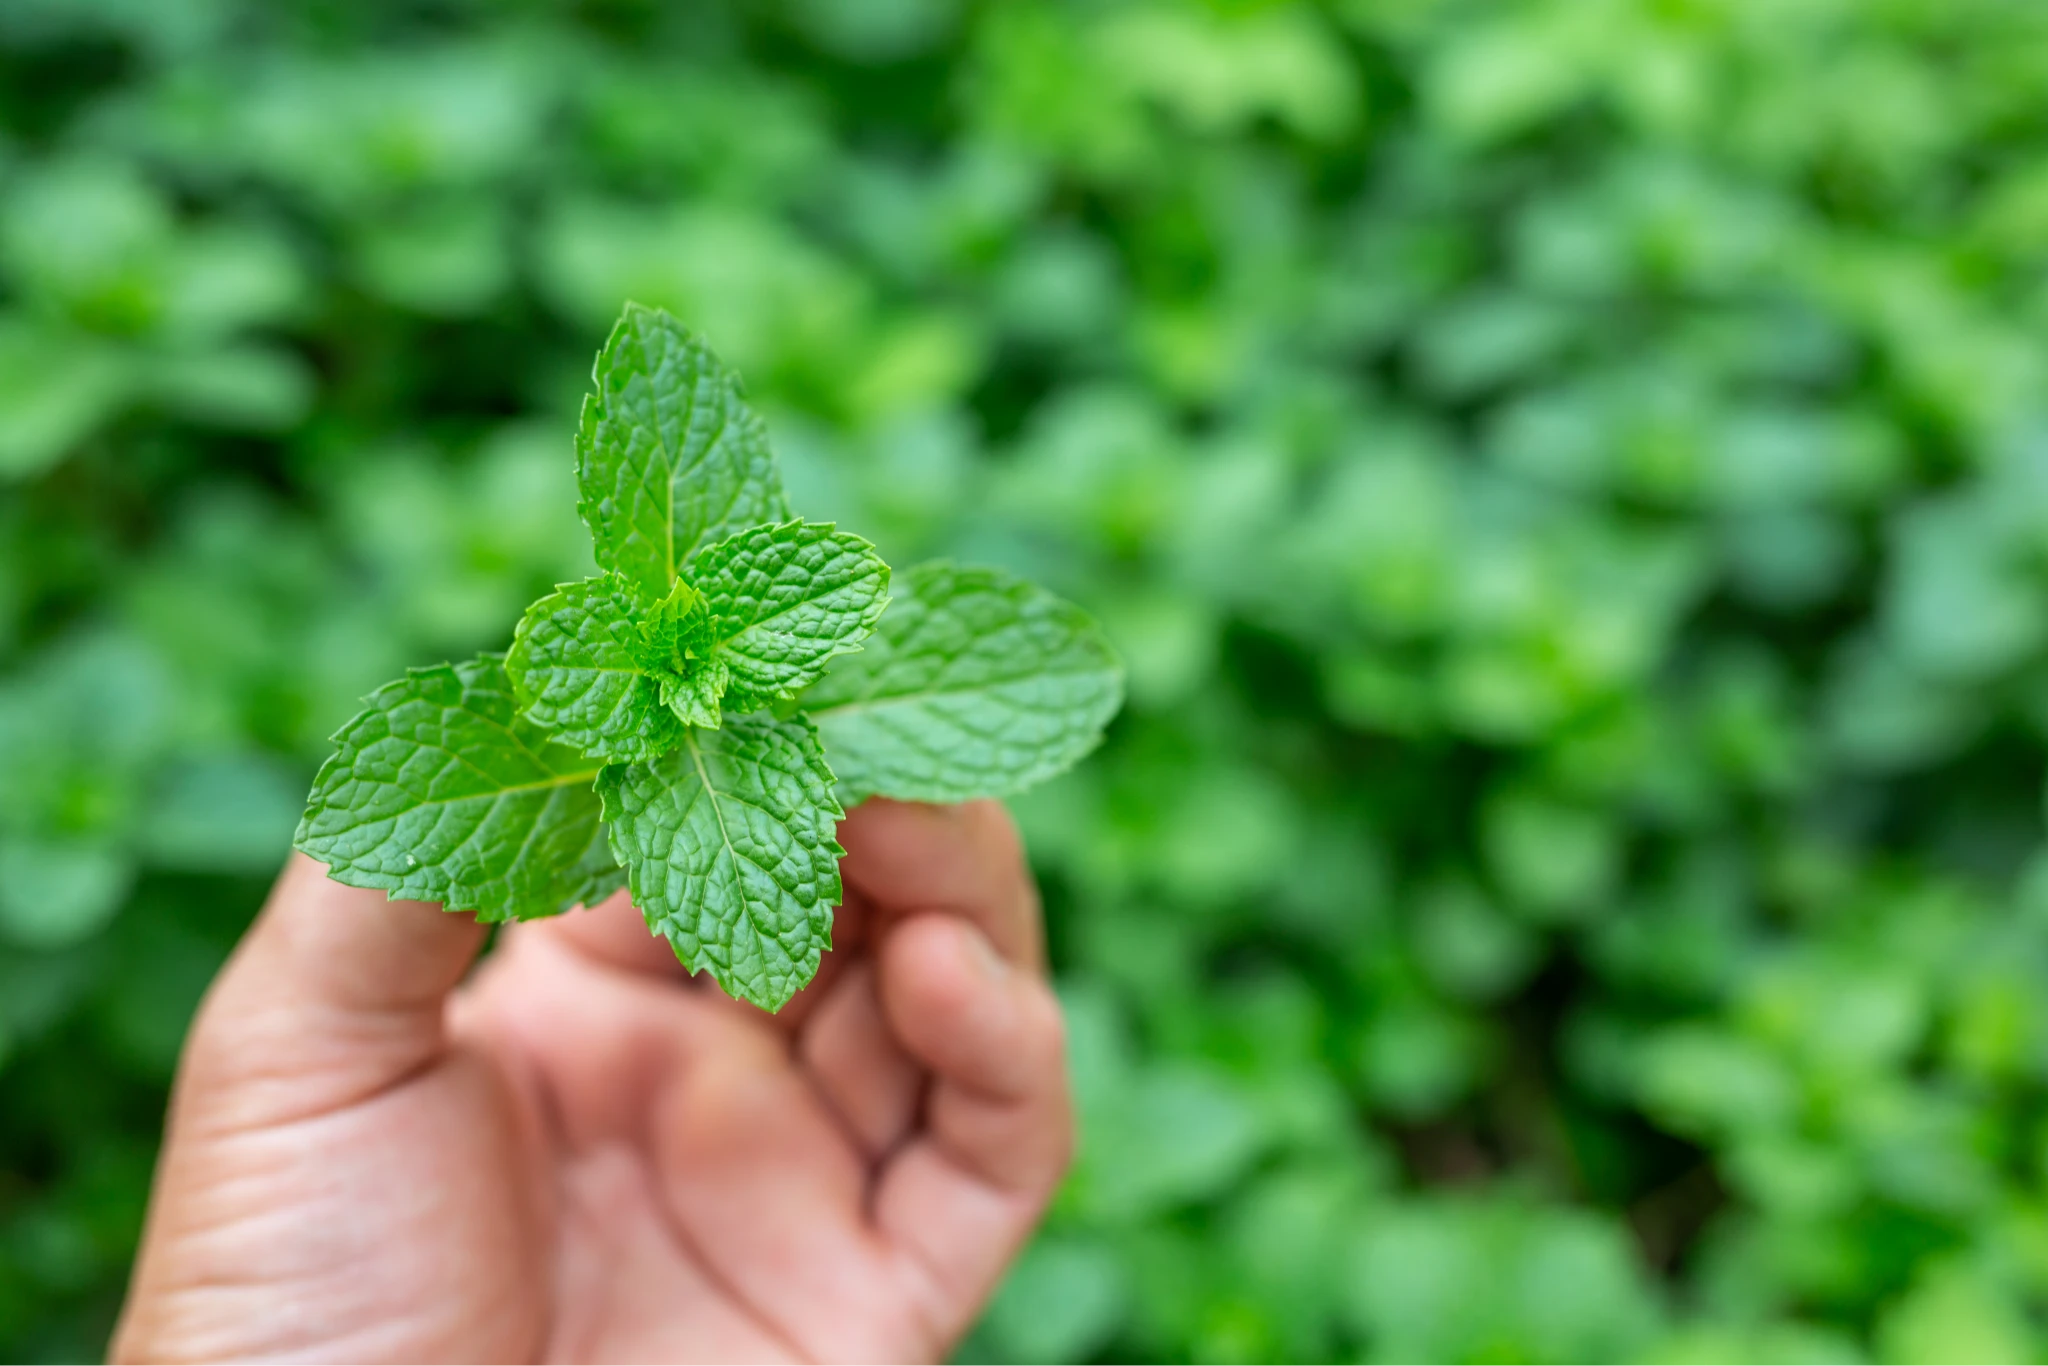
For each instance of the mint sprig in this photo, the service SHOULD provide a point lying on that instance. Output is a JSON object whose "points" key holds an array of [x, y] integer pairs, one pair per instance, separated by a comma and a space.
{"points": [[675, 724]]}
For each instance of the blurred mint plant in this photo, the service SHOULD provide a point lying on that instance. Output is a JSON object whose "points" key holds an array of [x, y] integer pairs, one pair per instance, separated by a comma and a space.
{"points": [[693, 722]]}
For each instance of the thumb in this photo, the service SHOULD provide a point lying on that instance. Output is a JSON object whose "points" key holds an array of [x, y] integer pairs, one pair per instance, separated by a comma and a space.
{"points": [[333, 995]]}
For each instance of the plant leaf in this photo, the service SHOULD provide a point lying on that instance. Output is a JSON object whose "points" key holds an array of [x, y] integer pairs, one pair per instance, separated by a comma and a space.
{"points": [[784, 600], [682, 649], [728, 847], [578, 665], [694, 700], [669, 457], [440, 791], [595, 875], [975, 684]]}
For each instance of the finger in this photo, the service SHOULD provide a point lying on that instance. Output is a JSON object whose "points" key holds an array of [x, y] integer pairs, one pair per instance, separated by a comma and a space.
{"points": [[858, 1066], [961, 1199], [906, 857], [335, 993], [759, 1176], [612, 933], [993, 1039], [751, 1170], [633, 1034]]}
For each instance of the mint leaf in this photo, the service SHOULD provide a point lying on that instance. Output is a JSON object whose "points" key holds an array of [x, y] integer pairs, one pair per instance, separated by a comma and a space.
{"points": [[681, 644], [597, 874], [784, 600], [695, 699], [669, 457], [975, 684], [579, 665], [728, 847], [440, 791]]}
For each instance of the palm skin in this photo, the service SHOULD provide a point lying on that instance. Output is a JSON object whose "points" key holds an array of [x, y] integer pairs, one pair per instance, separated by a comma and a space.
{"points": [[580, 1153]]}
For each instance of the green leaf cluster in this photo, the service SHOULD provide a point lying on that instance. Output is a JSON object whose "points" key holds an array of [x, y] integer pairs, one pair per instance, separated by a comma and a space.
{"points": [[648, 727]]}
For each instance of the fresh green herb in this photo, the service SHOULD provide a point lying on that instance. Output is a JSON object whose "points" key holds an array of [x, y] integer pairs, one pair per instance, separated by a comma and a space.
{"points": [[976, 681], [690, 722]]}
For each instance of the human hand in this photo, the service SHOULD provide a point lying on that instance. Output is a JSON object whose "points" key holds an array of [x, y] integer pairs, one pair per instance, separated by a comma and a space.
{"points": [[582, 1153]]}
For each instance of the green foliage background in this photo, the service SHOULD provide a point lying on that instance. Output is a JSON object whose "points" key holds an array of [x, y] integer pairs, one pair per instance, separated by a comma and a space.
{"points": [[1568, 477]]}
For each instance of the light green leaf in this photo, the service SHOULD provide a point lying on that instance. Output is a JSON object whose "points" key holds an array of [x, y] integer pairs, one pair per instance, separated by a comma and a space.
{"points": [[694, 699], [784, 600], [221, 813], [976, 683], [728, 847], [55, 388], [682, 650], [582, 667], [1063, 1301], [669, 457], [56, 892], [440, 791]]}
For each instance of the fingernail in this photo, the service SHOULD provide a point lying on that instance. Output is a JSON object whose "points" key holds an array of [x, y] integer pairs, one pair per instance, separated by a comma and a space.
{"points": [[991, 964]]}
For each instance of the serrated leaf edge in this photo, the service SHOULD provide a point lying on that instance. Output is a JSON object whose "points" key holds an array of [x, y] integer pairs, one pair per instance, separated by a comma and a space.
{"points": [[383, 882], [871, 617], [833, 896]]}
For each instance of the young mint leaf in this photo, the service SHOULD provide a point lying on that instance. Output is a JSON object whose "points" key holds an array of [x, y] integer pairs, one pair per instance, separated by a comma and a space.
{"points": [[440, 791], [579, 664], [694, 700], [784, 600], [669, 457], [728, 847], [681, 643], [976, 684]]}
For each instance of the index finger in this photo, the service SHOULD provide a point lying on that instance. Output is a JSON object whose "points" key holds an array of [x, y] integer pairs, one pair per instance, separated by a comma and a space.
{"points": [[907, 857]]}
